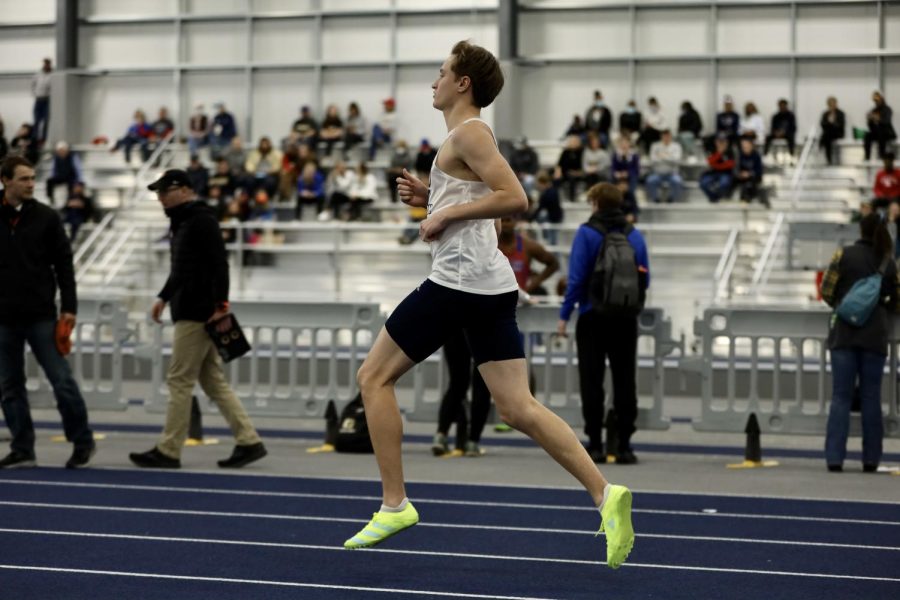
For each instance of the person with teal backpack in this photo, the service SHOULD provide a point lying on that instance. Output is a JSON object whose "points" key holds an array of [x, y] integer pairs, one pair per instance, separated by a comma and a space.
{"points": [[861, 285]]}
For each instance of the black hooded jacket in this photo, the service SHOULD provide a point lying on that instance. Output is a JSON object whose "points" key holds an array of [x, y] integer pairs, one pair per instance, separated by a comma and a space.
{"points": [[35, 257], [198, 278]]}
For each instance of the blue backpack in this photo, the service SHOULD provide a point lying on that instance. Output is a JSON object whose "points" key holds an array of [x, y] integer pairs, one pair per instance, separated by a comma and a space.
{"points": [[858, 304]]}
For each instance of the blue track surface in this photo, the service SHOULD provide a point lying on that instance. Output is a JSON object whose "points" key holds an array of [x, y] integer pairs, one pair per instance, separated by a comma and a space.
{"points": [[125, 534]]}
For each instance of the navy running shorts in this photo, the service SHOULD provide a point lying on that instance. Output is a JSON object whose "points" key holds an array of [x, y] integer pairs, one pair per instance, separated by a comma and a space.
{"points": [[431, 313]]}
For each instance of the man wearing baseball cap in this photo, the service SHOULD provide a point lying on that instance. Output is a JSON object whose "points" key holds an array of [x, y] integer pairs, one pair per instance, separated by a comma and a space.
{"points": [[197, 289]]}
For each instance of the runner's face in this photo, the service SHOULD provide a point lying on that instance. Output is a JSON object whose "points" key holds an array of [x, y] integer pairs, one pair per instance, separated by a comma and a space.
{"points": [[444, 86]]}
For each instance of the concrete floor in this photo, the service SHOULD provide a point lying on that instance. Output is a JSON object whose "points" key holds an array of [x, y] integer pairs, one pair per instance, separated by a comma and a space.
{"points": [[703, 473]]}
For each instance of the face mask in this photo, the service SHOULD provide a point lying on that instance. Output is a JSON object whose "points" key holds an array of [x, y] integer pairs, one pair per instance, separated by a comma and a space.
{"points": [[599, 103], [631, 110]]}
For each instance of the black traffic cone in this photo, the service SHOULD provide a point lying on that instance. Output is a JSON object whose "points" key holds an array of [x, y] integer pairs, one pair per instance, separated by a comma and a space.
{"points": [[753, 449], [195, 429], [612, 435], [331, 424]]}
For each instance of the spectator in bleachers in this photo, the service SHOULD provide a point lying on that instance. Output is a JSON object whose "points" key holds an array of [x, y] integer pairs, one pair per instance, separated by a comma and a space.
{"points": [[337, 187], [363, 191], [576, 128], [162, 126], [198, 129], [262, 209], [631, 122], [626, 164], [595, 162], [305, 154], [717, 182], [727, 124], [78, 209], [401, 158], [600, 336], [310, 189], [40, 89], [752, 124], [222, 178], [881, 129], [65, 169], [833, 125], [236, 157], [521, 250], [749, 172], [383, 130], [524, 162], [332, 129], [263, 167], [598, 119], [138, 134], [217, 200], [290, 171], [223, 130], [784, 127], [199, 176], [859, 350], [690, 127], [306, 128], [424, 159], [892, 222], [568, 167], [355, 128], [549, 208], [654, 123], [887, 184], [4, 145], [665, 161], [23, 144]]}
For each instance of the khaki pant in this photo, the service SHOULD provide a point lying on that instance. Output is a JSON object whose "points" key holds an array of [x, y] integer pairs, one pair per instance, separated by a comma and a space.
{"points": [[194, 358]]}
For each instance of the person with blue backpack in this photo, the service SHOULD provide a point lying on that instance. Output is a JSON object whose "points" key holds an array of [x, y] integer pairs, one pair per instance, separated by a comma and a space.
{"points": [[861, 285], [609, 273]]}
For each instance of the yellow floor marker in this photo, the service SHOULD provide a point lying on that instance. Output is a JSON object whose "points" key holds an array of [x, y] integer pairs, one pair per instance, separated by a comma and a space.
{"points": [[321, 449], [62, 438], [201, 442], [753, 464]]}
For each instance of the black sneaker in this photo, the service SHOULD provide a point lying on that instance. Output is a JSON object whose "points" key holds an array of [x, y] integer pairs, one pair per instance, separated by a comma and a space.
{"points": [[244, 455], [870, 467], [598, 455], [154, 459], [18, 460], [81, 457], [626, 457], [835, 468]]}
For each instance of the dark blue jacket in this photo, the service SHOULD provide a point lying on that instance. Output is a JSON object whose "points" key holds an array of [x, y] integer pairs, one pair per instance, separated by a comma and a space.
{"points": [[728, 123], [750, 162], [585, 248], [786, 122], [223, 125]]}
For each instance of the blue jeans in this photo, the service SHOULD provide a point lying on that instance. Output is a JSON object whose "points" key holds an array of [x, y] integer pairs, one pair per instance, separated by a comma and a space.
{"points": [[675, 185], [379, 137], [716, 185], [846, 366], [41, 114], [14, 400]]}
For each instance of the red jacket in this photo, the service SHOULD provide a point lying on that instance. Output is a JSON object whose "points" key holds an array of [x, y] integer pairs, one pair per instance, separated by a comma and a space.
{"points": [[887, 184], [721, 161]]}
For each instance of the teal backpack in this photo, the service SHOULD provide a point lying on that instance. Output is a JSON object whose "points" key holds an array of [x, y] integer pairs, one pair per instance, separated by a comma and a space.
{"points": [[858, 304]]}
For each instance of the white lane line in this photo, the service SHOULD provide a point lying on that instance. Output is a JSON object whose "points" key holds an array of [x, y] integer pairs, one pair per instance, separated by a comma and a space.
{"points": [[542, 530], [263, 582], [538, 559], [472, 503]]}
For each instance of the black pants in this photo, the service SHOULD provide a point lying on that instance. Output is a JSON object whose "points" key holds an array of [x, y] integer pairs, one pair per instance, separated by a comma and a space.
{"points": [[826, 142], [453, 404], [52, 182], [790, 143], [599, 338], [880, 137]]}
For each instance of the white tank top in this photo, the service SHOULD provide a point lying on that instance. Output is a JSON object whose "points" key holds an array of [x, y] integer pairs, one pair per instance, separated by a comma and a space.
{"points": [[466, 256]]}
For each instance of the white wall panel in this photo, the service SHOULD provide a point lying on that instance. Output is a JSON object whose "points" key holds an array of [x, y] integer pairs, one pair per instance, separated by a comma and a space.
{"points": [[215, 43], [280, 42], [119, 8], [209, 88], [417, 118], [350, 5], [277, 98], [892, 26], [763, 30], [656, 32], [417, 4], [762, 83], [109, 102], [16, 11], [26, 48], [15, 104], [891, 89], [841, 27], [420, 37], [552, 95], [672, 84], [367, 87], [262, 7], [217, 7], [850, 81], [356, 39], [127, 45], [575, 33]]}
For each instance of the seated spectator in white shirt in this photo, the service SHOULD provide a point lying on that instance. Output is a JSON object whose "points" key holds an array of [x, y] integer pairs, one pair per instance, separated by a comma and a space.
{"points": [[665, 159], [752, 125], [595, 161], [654, 124], [363, 191]]}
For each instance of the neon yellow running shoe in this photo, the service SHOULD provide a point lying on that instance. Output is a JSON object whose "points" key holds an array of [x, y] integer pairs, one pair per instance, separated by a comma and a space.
{"points": [[382, 526], [616, 523]]}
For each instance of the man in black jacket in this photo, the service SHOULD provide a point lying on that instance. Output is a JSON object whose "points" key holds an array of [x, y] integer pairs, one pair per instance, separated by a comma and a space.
{"points": [[784, 126], [197, 289], [35, 257]]}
